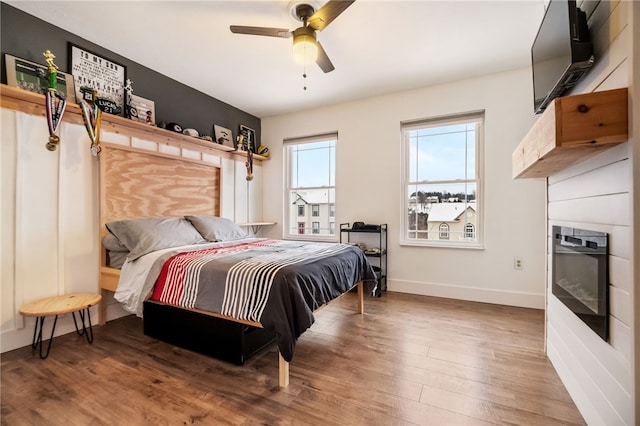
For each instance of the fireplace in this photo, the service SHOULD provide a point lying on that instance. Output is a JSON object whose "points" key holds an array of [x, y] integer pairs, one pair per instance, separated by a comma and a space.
{"points": [[580, 275]]}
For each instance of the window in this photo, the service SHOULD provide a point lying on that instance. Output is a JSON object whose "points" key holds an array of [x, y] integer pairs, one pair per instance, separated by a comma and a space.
{"points": [[332, 227], [444, 231], [310, 180], [469, 231], [332, 210], [442, 181]]}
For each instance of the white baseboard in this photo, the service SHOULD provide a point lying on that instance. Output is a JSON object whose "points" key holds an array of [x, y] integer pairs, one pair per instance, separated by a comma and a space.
{"points": [[475, 294], [115, 311], [21, 337], [18, 338]]}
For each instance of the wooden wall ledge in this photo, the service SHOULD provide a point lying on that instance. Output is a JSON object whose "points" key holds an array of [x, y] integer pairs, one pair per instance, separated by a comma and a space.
{"points": [[33, 104], [571, 129]]}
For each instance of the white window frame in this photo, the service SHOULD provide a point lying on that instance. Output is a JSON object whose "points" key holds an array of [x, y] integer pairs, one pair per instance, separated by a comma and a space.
{"points": [[293, 221], [472, 116]]}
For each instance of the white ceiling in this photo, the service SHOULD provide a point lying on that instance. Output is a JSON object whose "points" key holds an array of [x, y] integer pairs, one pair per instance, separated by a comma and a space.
{"points": [[377, 47]]}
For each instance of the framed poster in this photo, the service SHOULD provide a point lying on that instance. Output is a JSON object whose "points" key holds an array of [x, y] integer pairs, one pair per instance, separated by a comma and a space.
{"points": [[142, 110], [223, 136], [248, 138], [103, 75], [34, 77]]}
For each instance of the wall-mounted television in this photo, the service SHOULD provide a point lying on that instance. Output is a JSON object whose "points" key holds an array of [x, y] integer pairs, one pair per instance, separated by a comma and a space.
{"points": [[561, 54]]}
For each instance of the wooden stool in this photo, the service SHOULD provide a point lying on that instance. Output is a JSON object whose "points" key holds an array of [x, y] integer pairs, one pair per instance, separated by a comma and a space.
{"points": [[58, 305]]}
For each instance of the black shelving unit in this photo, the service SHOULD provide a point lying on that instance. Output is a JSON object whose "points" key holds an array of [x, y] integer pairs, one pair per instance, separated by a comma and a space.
{"points": [[377, 259]]}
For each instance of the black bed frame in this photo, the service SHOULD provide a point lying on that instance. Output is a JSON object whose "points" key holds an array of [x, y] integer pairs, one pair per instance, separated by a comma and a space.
{"points": [[216, 337]]}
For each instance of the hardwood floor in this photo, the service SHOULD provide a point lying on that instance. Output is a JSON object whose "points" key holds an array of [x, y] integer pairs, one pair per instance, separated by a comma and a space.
{"points": [[411, 360]]}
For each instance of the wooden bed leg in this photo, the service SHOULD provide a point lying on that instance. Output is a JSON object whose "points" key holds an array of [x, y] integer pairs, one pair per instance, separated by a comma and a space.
{"points": [[102, 308], [283, 367], [361, 298]]}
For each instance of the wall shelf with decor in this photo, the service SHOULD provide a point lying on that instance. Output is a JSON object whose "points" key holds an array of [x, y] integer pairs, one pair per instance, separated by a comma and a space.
{"points": [[571, 129], [34, 104]]}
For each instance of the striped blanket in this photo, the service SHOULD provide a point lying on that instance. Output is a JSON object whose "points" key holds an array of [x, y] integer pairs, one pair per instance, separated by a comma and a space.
{"points": [[275, 283]]}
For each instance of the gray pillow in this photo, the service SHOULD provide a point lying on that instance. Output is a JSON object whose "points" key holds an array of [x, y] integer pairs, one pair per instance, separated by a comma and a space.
{"points": [[111, 243], [214, 228], [142, 236], [117, 259]]}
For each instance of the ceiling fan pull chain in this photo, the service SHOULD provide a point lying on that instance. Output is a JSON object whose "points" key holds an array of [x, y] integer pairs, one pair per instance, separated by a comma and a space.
{"points": [[304, 76]]}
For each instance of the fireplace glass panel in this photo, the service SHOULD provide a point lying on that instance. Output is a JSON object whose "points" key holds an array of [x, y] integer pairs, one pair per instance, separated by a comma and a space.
{"points": [[580, 275]]}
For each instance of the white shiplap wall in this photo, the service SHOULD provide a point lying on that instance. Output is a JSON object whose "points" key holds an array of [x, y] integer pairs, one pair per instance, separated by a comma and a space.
{"points": [[49, 216], [596, 194], [49, 220]]}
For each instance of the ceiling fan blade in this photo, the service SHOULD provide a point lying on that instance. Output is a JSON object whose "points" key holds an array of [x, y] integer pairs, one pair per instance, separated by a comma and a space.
{"points": [[261, 31], [323, 60], [327, 13]]}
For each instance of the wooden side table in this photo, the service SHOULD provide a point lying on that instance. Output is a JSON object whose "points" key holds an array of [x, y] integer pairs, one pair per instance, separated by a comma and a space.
{"points": [[58, 305]]}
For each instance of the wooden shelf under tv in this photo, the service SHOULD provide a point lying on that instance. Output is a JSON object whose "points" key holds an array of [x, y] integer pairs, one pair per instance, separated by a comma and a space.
{"points": [[33, 104], [571, 129]]}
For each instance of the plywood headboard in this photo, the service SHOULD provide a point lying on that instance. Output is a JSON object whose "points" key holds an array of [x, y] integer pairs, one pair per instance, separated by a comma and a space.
{"points": [[135, 183]]}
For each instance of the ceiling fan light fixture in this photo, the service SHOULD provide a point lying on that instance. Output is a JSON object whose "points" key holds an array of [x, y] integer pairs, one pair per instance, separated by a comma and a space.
{"points": [[305, 48]]}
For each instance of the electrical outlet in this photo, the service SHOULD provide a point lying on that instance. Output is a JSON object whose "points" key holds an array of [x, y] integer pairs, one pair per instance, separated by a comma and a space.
{"points": [[517, 263]]}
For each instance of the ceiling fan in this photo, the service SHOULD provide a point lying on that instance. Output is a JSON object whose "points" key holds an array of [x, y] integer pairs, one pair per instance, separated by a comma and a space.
{"points": [[306, 47]]}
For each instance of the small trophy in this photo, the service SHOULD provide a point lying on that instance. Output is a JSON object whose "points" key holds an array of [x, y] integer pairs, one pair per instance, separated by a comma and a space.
{"points": [[55, 104], [128, 98]]}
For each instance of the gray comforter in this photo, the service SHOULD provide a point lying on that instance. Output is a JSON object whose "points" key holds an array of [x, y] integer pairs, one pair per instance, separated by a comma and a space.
{"points": [[275, 283]]}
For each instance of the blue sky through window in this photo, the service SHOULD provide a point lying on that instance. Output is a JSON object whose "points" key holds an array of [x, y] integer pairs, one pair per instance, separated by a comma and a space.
{"points": [[313, 164], [442, 153]]}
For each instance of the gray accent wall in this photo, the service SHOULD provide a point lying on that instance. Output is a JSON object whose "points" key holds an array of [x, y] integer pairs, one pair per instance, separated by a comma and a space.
{"points": [[25, 36]]}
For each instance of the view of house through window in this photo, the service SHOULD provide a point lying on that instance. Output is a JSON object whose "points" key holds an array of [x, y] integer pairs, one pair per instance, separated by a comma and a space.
{"points": [[310, 181], [442, 177]]}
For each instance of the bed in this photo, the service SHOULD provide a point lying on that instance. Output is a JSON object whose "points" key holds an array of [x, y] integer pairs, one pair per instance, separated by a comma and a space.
{"points": [[200, 277]]}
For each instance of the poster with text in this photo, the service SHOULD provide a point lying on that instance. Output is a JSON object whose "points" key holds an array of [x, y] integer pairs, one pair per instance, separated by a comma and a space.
{"points": [[106, 77]]}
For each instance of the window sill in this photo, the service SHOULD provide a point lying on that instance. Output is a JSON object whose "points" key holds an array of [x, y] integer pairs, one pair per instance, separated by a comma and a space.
{"points": [[331, 239], [437, 244]]}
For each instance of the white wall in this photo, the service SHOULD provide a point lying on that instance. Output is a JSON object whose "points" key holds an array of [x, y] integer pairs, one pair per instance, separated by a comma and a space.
{"points": [[49, 216], [368, 181], [596, 194], [49, 221], [635, 225]]}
